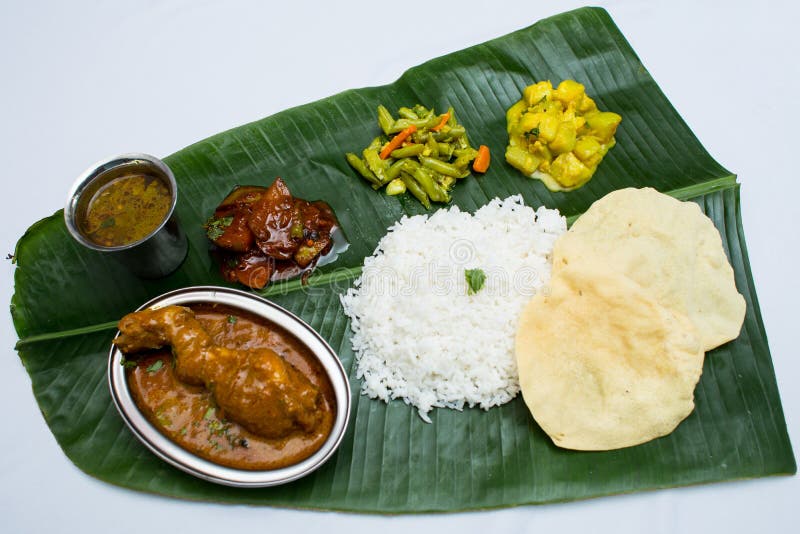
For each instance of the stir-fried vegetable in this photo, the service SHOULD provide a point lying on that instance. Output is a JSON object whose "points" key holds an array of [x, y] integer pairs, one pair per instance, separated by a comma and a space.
{"points": [[481, 163], [558, 135], [421, 153]]}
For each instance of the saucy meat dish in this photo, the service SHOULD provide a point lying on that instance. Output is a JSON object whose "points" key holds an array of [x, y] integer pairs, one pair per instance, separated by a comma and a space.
{"points": [[264, 234], [233, 388]]}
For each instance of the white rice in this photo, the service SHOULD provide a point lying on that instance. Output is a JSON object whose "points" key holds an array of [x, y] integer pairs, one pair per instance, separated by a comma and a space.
{"points": [[419, 335]]}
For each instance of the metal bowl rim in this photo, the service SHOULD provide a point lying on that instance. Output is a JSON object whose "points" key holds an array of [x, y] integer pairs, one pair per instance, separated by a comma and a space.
{"points": [[96, 170]]}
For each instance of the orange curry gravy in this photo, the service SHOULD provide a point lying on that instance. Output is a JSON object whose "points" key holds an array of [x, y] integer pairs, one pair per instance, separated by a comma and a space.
{"points": [[188, 416]]}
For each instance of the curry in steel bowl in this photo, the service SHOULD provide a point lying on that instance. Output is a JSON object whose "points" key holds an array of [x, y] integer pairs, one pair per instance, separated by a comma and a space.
{"points": [[229, 386]]}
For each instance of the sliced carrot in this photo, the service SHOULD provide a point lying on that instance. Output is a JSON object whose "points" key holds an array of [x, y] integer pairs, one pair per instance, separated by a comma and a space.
{"points": [[445, 118], [396, 141], [481, 163]]}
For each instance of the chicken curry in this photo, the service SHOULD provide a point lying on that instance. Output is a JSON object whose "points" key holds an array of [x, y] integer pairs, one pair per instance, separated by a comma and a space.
{"points": [[230, 387]]}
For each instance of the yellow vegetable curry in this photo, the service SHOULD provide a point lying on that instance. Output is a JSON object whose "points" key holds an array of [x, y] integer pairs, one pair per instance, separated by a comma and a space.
{"points": [[558, 135]]}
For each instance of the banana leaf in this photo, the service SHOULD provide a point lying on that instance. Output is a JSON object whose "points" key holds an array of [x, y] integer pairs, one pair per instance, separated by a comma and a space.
{"points": [[67, 299]]}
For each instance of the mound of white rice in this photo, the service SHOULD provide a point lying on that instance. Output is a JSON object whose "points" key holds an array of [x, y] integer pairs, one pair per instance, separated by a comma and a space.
{"points": [[417, 332]]}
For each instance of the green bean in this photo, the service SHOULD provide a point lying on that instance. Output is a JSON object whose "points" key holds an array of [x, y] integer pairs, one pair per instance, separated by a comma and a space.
{"points": [[464, 157], [407, 113], [434, 120], [443, 168], [429, 185], [359, 165], [420, 137], [445, 151], [422, 111], [394, 169], [408, 151], [433, 147], [385, 119], [377, 165], [462, 142], [410, 165], [396, 187], [469, 151], [462, 162], [415, 190], [401, 124], [446, 182], [452, 120], [449, 132]]}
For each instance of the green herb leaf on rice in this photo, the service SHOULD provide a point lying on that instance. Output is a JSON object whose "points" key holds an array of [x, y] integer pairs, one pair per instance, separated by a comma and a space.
{"points": [[475, 280]]}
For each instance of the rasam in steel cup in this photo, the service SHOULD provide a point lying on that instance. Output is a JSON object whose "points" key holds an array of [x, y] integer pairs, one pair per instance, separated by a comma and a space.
{"points": [[156, 254]]}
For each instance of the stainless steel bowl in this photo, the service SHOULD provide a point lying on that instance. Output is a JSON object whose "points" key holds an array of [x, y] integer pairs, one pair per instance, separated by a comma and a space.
{"points": [[157, 254], [200, 467]]}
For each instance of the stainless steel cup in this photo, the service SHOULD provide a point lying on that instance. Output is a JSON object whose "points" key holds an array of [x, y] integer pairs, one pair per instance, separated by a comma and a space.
{"points": [[157, 254]]}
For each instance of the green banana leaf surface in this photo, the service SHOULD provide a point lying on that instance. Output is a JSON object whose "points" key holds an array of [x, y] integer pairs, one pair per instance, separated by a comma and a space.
{"points": [[67, 299]]}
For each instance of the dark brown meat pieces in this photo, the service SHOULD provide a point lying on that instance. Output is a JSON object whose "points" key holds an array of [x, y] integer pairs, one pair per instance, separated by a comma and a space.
{"points": [[266, 234], [272, 221]]}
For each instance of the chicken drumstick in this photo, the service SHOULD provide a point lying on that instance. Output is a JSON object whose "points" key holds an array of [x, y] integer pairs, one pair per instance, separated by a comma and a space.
{"points": [[256, 388]]}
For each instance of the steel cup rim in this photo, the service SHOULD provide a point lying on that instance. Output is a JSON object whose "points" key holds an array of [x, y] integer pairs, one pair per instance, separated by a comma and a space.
{"points": [[98, 169]]}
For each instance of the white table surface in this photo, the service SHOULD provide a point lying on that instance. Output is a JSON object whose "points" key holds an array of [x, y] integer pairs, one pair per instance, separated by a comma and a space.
{"points": [[83, 80]]}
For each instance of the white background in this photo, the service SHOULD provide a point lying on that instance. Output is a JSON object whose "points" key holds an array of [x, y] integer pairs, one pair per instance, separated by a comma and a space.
{"points": [[83, 80]]}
